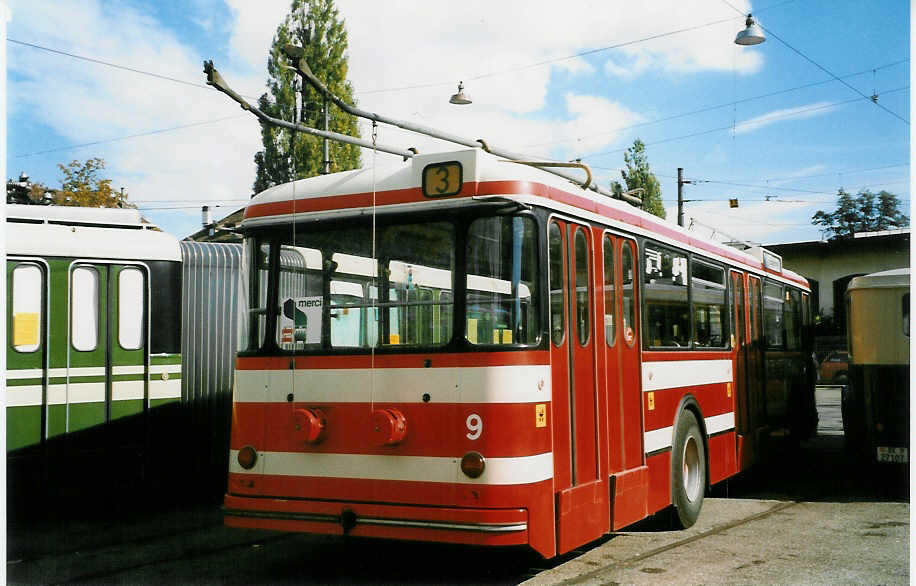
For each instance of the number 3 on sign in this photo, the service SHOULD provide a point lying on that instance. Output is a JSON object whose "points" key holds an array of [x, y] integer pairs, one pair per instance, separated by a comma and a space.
{"points": [[475, 426]]}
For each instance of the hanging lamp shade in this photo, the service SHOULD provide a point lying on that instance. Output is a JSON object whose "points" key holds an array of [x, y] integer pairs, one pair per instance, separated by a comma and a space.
{"points": [[460, 98], [751, 35]]}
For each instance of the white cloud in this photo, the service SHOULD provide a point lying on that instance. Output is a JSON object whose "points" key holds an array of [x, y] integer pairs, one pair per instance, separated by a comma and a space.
{"points": [[785, 115]]}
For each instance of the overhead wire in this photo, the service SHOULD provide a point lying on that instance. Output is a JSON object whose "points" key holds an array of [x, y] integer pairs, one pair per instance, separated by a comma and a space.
{"points": [[711, 108], [730, 127], [822, 68]]}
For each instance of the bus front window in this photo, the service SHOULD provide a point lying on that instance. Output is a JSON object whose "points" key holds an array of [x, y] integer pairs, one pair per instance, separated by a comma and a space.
{"points": [[337, 290], [502, 265]]}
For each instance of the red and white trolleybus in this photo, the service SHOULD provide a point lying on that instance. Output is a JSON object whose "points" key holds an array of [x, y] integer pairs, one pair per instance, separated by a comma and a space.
{"points": [[465, 349]]}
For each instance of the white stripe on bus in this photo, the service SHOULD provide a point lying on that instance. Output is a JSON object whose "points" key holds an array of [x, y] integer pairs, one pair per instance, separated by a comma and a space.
{"points": [[169, 368], [132, 369], [24, 373], [684, 373], [127, 390], [160, 389], [24, 396], [661, 439], [498, 471], [490, 384], [86, 393]]}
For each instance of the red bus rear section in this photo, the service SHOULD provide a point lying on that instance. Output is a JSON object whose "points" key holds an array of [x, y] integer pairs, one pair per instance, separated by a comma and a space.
{"points": [[517, 363]]}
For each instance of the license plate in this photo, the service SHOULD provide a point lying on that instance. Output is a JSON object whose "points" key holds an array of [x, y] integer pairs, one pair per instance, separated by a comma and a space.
{"points": [[896, 455]]}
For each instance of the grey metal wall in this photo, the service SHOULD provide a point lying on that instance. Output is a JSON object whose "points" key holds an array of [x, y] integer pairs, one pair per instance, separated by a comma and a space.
{"points": [[209, 316]]}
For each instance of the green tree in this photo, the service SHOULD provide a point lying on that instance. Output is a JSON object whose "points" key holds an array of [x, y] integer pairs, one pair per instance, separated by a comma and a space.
{"points": [[638, 175], [315, 26], [82, 186], [861, 214]]}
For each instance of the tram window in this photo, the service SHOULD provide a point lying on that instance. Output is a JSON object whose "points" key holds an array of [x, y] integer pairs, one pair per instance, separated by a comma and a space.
{"points": [[502, 268], [27, 308], [628, 274], [707, 285], [84, 309], [667, 311], [610, 292], [555, 259], [131, 295], [792, 310], [773, 325], [582, 285]]}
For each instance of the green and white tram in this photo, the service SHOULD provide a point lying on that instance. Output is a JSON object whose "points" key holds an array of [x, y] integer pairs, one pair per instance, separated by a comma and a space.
{"points": [[93, 341]]}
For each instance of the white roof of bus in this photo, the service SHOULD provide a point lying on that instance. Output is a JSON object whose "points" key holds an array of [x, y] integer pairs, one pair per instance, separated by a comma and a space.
{"points": [[86, 233], [883, 279], [478, 166]]}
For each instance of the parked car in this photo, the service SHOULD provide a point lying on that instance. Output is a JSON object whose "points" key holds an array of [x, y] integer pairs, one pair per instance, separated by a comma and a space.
{"points": [[834, 367]]}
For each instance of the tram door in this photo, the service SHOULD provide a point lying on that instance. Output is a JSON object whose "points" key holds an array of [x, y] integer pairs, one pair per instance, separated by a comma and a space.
{"points": [[106, 390], [582, 498]]}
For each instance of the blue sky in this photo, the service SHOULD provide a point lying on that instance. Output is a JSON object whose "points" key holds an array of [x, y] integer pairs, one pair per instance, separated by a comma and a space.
{"points": [[767, 124]]}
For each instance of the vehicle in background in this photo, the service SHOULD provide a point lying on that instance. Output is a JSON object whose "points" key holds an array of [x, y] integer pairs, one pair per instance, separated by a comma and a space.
{"points": [[93, 375], [876, 402], [834, 367]]}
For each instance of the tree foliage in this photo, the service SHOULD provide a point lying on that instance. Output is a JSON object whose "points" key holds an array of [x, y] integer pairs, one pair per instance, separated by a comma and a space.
{"points": [[82, 186], [638, 175], [315, 26], [867, 212]]}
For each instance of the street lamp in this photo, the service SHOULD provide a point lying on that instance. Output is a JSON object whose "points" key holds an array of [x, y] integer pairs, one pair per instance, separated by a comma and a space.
{"points": [[752, 35], [460, 98]]}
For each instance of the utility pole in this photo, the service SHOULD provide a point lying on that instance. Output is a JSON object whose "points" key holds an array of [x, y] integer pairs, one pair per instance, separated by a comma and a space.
{"points": [[680, 196], [327, 153]]}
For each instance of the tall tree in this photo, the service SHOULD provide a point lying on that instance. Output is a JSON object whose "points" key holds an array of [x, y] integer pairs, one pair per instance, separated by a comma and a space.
{"points": [[861, 214], [315, 26], [638, 175], [82, 186]]}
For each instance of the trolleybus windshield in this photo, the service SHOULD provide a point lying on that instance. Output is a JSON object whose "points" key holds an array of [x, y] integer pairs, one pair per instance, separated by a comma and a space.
{"points": [[334, 290]]}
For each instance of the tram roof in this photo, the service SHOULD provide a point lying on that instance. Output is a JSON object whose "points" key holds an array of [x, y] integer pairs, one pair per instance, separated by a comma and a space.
{"points": [[399, 188], [76, 232], [884, 279]]}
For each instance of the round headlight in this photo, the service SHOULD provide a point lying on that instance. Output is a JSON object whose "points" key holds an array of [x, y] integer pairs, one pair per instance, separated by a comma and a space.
{"points": [[248, 457], [473, 464]]}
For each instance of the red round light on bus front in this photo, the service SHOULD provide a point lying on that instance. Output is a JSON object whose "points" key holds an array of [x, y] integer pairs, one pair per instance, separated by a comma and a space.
{"points": [[248, 457], [309, 425], [473, 464]]}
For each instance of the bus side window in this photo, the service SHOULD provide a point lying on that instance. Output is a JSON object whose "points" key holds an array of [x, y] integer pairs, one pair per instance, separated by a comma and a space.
{"points": [[773, 327], [667, 309]]}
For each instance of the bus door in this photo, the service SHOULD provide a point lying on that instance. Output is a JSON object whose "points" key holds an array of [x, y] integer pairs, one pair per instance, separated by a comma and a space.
{"points": [[582, 496], [628, 475], [754, 374], [107, 366], [740, 345]]}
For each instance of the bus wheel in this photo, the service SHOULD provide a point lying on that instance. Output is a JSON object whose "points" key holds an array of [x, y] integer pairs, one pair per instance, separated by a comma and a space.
{"points": [[688, 471]]}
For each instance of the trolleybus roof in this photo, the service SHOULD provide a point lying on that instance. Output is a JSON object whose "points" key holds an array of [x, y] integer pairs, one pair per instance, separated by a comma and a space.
{"points": [[395, 189]]}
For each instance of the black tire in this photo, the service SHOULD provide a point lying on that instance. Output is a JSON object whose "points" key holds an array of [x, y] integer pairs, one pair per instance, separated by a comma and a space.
{"points": [[688, 471]]}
